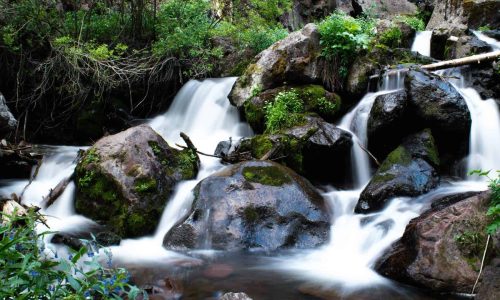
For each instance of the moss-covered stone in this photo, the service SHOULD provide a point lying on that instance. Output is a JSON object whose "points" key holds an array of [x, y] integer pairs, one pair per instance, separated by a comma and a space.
{"points": [[399, 156], [266, 175], [145, 185]]}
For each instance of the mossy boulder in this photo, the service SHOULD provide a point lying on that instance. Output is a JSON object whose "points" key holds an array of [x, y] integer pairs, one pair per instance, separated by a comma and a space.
{"points": [[293, 60], [253, 205], [125, 180], [442, 249], [409, 170], [315, 97], [316, 149]]}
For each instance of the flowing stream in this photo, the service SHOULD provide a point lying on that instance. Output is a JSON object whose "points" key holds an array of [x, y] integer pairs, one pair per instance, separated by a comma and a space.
{"points": [[201, 110]]}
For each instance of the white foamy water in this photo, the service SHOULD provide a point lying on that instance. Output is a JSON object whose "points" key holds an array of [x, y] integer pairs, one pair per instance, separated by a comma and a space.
{"points": [[494, 44], [202, 111], [422, 43]]}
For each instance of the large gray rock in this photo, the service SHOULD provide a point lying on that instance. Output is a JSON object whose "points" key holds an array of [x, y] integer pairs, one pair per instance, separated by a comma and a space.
{"points": [[7, 121], [255, 204], [125, 180], [295, 59], [410, 170], [441, 250], [452, 16], [386, 9]]}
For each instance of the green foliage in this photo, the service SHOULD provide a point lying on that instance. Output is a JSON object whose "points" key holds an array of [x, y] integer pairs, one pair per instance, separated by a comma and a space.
{"points": [[484, 28], [284, 112], [28, 270], [470, 243], [494, 208], [414, 22], [145, 185], [391, 37], [325, 107], [342, 37]]}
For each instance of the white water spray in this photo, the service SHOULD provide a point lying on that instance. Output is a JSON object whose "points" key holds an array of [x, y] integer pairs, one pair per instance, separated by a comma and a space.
{"points": [[422, 43]]}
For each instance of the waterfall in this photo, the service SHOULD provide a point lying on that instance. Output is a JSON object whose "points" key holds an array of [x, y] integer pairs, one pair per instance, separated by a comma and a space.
{"points": [[422, 43], [202, 110], [356, 122], [494, 44]]}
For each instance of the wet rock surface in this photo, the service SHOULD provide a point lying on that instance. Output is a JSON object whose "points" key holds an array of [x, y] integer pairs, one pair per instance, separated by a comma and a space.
{"points": [[125, 180], [295, 59], [255, 204], [441, 250], [409, 170]]}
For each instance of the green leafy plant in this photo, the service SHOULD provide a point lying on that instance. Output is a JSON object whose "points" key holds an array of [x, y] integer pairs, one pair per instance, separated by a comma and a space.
{"points": [[494, 208], [413, 21], [342, 37], [29, 270], [391, 37], [284, 112], [484, 28]]}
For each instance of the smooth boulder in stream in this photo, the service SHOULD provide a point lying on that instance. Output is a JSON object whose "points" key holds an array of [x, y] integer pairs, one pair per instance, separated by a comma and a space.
{"points": [[125, 180], [442, 249], [409, 170], [254, 204]]}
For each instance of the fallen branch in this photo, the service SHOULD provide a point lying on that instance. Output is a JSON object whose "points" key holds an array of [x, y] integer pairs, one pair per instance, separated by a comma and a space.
{"points": [[188, 142], [199, 152], [470, 60], [369, 154], [57, 191]]}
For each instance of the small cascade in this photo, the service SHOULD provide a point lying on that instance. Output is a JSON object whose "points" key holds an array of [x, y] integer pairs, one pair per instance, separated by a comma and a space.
{"points": [[494, 44], [356, 122], [202, 111], [422, 43], [58, 164]]}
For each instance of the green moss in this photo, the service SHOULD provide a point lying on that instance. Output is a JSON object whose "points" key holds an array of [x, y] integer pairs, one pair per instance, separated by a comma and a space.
{"points": [[271, 175], [260, 145], [431, 149], [187, 163], [470, 244], [398, 156], [250, 214], [254, 115], [382, 177], [145, 185]]}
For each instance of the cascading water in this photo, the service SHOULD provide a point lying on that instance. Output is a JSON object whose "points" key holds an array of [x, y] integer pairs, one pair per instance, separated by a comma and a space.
{"points": [[202, 111], [422, 43]]}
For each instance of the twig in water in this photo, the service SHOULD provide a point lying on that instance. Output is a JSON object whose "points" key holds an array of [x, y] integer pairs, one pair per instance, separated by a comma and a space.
{"points": [[369, 153]]}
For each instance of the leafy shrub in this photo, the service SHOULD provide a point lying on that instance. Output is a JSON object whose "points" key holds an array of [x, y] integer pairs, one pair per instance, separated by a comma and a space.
{"points": [[342, 37], [494, 208], [30, 271], [391, 37], [284, 112], [413, 21]]}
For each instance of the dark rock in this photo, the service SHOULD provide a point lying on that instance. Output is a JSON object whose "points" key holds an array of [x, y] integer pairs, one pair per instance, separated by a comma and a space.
{"points": [[494, 34], [388, 115], [255, 204], [464, 46], [484, 79], [307, 11], [441, 250], [294, 60], [410, 170], [316, 149], [125, 179], [223, 148], [68, 240], [445, 201], [107, 238], [8, 123], [436, 104], [489, 287]]}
